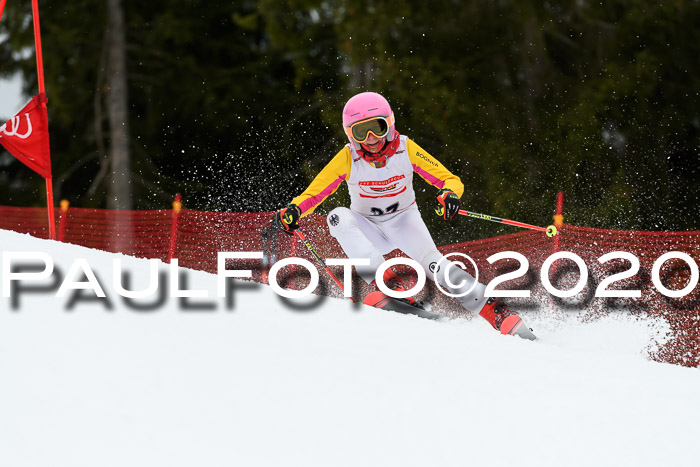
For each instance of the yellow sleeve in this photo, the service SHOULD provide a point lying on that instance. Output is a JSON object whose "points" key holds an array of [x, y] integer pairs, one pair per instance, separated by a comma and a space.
{"points": [[326, 182], [431, 170]]}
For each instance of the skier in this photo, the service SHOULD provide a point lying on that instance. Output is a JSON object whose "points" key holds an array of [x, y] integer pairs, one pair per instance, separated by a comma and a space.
{"points": [[378, 166]]}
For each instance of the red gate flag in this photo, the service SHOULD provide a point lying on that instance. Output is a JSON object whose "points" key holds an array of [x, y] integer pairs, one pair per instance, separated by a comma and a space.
{"points": [[26, 136]]}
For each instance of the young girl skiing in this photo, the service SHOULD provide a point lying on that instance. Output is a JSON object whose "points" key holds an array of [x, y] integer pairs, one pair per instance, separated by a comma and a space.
{"points": [[378, 166]]}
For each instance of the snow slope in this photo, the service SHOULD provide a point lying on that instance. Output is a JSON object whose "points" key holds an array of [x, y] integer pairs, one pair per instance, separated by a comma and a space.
{"points": [[335, 385]]}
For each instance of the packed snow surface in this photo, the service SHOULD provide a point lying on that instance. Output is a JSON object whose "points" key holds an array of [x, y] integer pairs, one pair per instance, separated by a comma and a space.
{"points": [[335, 384]]}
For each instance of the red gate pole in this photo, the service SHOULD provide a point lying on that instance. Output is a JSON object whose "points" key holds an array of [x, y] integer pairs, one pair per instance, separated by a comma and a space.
{"points": [[2, 7], [37, 41], [559, 219], [177, 206], [42, 90], [62, 219], [558, 222], [49, 204]]}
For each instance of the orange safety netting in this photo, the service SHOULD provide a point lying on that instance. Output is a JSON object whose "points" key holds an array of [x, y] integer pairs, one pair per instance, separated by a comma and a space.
{"points": [[199, 236]]}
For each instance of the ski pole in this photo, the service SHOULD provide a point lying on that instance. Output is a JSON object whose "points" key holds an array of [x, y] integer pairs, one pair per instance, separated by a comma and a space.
{"points": [[550, 231], [318, 257]]}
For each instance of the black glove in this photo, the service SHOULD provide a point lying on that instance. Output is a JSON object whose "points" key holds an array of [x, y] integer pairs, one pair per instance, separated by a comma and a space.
{"points": [[447, 204], [287, 219]]}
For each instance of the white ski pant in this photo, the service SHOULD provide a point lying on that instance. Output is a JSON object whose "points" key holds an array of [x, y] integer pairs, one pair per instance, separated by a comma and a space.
{"points": [[373, 237]]}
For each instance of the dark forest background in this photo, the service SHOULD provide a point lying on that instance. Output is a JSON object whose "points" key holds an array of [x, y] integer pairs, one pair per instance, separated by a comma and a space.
{"points": [[237, 105]]}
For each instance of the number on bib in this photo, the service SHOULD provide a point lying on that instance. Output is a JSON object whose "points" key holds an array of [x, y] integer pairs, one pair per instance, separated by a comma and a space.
{"points": [[379, 212]]}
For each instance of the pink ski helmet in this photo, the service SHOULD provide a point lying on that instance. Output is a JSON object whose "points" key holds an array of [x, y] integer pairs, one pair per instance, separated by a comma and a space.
{"points": [[363, 106]]}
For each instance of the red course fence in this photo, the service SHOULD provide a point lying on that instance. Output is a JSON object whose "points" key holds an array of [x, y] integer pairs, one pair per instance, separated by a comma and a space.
{"points": [[195, 238]]}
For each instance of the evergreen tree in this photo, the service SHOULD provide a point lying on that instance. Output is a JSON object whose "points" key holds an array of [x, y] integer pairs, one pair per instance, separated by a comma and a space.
{"points": [[237, 105]]}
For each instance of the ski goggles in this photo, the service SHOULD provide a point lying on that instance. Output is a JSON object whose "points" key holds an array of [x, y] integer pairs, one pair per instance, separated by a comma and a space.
{"points": [[378, 126]]}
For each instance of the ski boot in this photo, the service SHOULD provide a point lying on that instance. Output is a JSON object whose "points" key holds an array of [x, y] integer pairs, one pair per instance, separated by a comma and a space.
{"points": [[407, 305], [504, 320], [395, 283]]}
